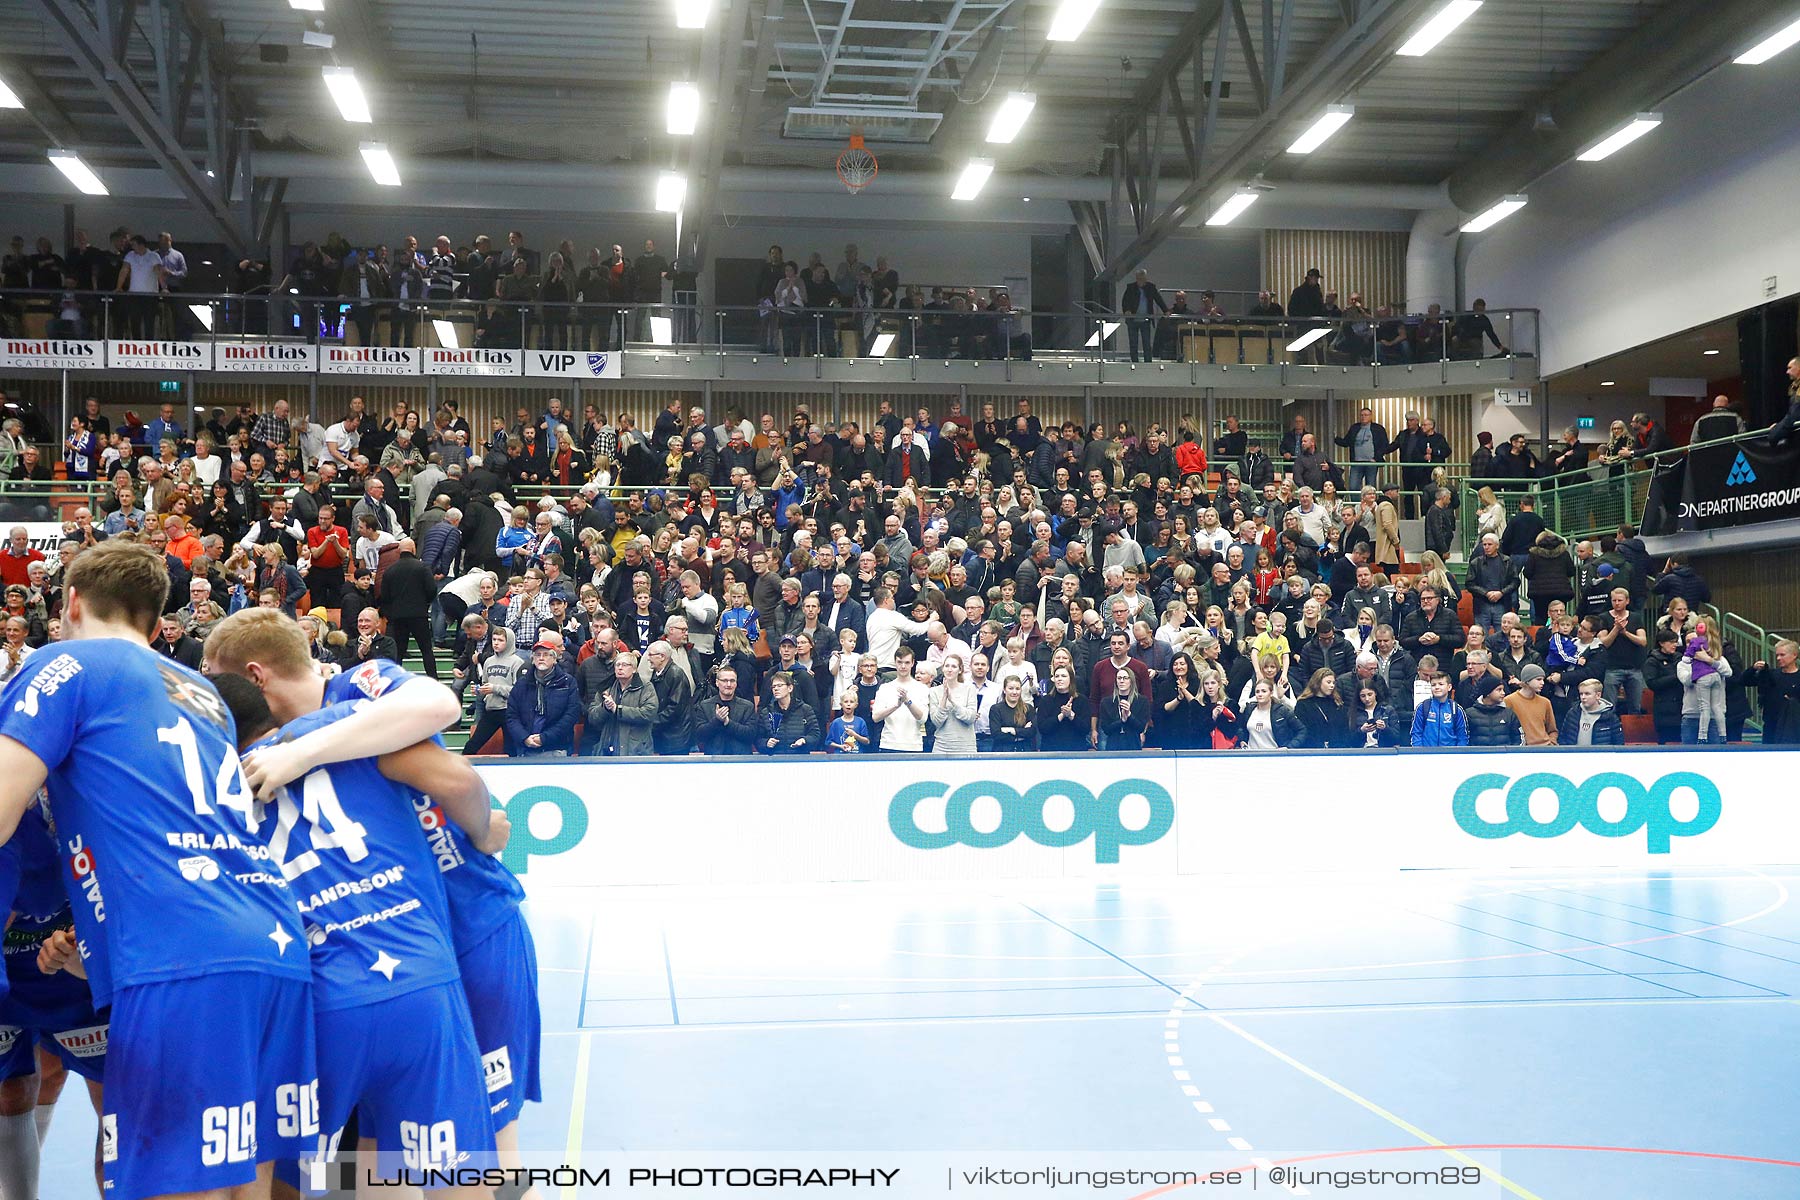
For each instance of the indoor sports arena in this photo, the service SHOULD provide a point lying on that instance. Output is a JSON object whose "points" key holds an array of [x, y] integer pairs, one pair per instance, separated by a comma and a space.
{"points": [[923, 598]]}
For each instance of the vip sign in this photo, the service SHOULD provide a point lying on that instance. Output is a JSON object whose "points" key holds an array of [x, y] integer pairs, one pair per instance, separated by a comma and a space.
{"points": [[369, 360], [256, 357], [160, 356], [51, 354], [572, 364], [440, 360]]}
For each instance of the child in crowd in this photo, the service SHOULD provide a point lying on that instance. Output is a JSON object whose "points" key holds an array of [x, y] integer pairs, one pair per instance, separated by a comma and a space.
{"points": [[1699, 669], [848, 733]]}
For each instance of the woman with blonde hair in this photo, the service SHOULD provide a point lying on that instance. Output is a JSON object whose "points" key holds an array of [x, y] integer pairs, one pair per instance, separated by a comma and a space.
{"points": [[1438, 576], [1490, 517]]}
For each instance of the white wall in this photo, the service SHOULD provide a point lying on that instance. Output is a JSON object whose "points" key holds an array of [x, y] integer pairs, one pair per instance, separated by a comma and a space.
{"points": [[1564, 408], [1675, 231]]}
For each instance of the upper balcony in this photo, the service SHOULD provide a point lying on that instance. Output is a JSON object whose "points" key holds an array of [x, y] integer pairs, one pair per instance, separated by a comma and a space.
{"points": [[805, 349]]}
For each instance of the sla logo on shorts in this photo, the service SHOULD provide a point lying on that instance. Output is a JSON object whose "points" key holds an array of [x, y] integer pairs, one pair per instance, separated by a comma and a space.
{"points": [[1647, 808], [89, 1042], [109, 1138], [8, 1035], [1099, 817], [497, 1067], [196, 867]]}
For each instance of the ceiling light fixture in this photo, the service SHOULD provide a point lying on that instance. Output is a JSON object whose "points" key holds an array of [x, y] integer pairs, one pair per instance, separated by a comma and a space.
{"points": [[1441, 25], [1071, 18], [1234, 208], [882, 344], [1106, 330], [1770, 46], [203, 313], [1506, 207], [347, 92], [381, 164], [1609, 383], [671, 191], [1334, 119], [78, 172], [1011, 116], [8, 97], [307, 5], [684, 108], [1306, 339], [692, 14], [446, 334], [974, 177], [1708, 353], [1640, 125]]}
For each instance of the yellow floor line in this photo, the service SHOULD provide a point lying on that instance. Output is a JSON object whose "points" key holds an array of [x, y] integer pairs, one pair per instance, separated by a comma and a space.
{"points": [[578, 1109]]}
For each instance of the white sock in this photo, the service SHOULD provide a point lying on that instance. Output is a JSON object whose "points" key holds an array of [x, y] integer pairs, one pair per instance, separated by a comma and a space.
{"points": [[42, 1114], [18, 1157]]}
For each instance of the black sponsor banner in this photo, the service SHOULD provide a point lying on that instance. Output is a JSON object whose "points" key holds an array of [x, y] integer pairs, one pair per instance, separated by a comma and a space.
{"points": [[1739, 483]]}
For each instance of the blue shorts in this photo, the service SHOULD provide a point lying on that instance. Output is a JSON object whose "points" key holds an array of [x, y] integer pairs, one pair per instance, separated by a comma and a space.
{"points": [[409, 1069], [77, 1038], [210, 1077], [500, 976]]}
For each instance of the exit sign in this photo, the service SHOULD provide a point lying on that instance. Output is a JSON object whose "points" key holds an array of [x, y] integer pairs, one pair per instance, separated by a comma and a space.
{"points": [[1584, 422], [1512, 397], [168, 385]]}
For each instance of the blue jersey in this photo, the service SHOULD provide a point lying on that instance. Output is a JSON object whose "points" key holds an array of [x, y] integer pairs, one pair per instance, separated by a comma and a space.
{"points": [[167, 874], [39, 910], [346, 839], [483, 893]]}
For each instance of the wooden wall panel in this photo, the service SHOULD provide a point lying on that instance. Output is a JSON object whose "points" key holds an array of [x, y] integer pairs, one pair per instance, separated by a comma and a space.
{"points": [[1373, 263]]}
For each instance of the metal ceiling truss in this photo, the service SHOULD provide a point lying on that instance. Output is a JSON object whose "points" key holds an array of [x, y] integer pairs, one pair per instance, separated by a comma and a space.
{"points": [[184, 73], [877, 61], [1279, 97]]}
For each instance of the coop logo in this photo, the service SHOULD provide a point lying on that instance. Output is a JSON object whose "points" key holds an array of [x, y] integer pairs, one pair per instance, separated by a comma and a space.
{"points": [[1648, 808], [1099, 817], [526, 843], [1742, 474]]}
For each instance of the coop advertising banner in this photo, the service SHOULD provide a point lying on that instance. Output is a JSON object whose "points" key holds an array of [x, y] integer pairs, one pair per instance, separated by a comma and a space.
{"points": [[253, 356], [572, 364], [52, 354], [159, 356], [369, 360], [903, 817], [1739, 483], [442, 360]]}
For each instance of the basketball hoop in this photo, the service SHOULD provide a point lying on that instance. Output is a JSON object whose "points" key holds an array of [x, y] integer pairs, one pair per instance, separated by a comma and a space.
{"points": [[856, 166]]}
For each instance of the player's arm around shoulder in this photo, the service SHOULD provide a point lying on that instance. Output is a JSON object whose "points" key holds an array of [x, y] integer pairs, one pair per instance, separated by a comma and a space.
{"points": [[453, 783], [397, 718]]}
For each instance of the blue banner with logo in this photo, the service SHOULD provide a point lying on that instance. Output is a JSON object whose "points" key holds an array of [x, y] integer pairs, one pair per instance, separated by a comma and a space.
{"points": [[1739, 483]]}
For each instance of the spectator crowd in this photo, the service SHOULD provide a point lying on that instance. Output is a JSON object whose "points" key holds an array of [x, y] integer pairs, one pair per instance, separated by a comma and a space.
{"points": [[938, 581]]}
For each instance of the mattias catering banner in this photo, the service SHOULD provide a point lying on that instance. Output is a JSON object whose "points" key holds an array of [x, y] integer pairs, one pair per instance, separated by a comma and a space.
{"points": [[1739, 483]]}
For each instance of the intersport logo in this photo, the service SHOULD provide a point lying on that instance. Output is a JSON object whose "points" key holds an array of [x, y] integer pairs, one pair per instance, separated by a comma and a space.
{"points": [[1639, 806], [1056, 813]]}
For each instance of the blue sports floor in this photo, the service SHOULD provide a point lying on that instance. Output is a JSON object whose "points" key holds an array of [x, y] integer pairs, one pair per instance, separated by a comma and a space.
{"points": [[1615, 1034]]}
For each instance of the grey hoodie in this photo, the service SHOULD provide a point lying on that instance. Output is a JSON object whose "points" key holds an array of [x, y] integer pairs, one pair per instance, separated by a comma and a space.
{"points": [[501, 670]]}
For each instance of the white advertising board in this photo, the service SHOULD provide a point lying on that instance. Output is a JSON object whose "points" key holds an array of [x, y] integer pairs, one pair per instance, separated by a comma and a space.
{"points": [[52, 354], [903, 817], [254, 356], [572, 364], [369, 360], [441, 360], [159, 356]]}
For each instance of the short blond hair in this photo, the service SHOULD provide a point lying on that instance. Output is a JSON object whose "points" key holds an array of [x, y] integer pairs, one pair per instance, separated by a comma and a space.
{"points": [[260, 635], [119, 581]]}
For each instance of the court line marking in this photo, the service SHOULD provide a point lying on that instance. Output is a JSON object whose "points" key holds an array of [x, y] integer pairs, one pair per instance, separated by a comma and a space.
{"points": [[1364, 1102], [1150, 1015], [578, 1106]]}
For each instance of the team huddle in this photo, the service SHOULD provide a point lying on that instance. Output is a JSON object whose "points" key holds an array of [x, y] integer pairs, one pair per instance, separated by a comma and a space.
{"points": [[324, 916]]}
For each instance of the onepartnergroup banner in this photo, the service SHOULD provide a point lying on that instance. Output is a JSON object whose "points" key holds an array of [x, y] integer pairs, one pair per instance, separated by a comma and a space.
{"points": [[920, 818], [278, 356]]}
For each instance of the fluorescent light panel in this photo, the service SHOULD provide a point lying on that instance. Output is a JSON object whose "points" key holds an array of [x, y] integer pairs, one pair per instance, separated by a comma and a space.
{"points": [[662, 331], [1071, 18], [1334, 119], [348, 94], [684, 108], [882, 344], [1441, 25], [78, 172], [1011, 116], [974, 177], [1234, 208], [446, 334], [1770, 46], [692, 14], [307, 5], [671, 191], [8, 97], [202, 313], [1499, 212], [1306, 339], [381, 164], [1640, 125], [1106, 330]]}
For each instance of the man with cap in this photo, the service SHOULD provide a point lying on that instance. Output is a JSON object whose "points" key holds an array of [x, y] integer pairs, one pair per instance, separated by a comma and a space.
{"points": [[541, 711], [1537, 720]]}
